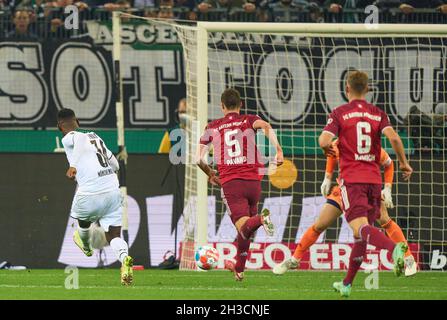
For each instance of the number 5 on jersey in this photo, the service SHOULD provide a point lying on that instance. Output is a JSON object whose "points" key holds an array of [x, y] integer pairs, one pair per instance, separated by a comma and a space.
{"points": [[234, 147]]}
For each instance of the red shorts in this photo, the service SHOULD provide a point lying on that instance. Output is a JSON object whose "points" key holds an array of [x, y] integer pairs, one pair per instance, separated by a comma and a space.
{"points": [[361, 200], [241, 198]]}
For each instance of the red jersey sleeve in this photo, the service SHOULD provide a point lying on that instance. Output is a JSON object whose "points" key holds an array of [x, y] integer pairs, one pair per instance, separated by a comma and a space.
{"points": [[252, 118], [207, 136], [385, 122], [333, 124]]}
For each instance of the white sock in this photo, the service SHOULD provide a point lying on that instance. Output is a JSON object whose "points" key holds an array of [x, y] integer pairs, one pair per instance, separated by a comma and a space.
{"points": [[84, 235], [120, 248]]}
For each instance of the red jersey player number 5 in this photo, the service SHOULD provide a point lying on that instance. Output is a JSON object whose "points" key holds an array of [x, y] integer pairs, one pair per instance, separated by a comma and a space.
{"points": [[240, 169]]}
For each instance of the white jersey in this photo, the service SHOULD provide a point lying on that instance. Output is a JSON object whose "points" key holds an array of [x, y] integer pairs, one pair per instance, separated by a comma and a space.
{"points": [[95, 164]]}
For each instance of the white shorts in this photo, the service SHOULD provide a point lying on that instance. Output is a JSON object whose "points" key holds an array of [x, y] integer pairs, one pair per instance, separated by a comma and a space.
{"points": [[106, 208]]}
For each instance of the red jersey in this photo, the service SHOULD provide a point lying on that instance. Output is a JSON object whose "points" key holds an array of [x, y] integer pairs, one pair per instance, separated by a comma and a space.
{"points": [[235, 151], [359, 127]]}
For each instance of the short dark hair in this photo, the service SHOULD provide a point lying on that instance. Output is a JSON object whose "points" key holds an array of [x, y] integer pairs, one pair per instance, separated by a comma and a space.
{"points": [[65, 114], [231, 99], [123, 2], [21, 9], [358, 81]]}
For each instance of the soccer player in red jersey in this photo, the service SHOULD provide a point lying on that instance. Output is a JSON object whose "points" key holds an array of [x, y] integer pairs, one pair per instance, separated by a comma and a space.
{"points": [[359, 126], [332, 210], [240, 169]]}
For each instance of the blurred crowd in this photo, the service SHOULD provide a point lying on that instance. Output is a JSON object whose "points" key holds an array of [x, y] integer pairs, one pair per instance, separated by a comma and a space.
{"points": [[428, 131], [20, 17]]}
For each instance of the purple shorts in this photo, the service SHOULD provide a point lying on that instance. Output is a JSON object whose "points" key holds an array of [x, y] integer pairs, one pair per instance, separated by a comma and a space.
{"points": [[241, 198], [361, 200]]}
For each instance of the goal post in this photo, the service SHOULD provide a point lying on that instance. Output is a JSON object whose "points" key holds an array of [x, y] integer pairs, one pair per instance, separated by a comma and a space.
{"points": [[202, 119], [229, 35], [119, 110], [325, 29], [293, 75]]}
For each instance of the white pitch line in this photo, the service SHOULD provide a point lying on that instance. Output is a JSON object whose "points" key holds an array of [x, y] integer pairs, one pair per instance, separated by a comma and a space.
{"points": [[118, 287], [217, 274], [407, 290]]}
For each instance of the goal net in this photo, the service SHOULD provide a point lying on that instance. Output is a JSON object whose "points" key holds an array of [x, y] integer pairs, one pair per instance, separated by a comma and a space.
{"points": [[293, 75]]}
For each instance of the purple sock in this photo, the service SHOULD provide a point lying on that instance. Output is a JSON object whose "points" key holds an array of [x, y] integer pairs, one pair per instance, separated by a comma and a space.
{"points": [[243, 246], [355, 260], [250, 226], [373, 236]]}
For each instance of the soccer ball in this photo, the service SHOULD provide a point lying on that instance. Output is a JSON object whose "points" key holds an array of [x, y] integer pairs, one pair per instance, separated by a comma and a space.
{"points": [[207, 257]]}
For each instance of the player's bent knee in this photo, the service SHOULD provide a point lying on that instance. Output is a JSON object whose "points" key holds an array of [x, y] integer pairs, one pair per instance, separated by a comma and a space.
{"points": [[384, 217], [356, 232], [320, 226], [357, 224], [383, 220], [327, 217], [114, 232], [240, 222]]}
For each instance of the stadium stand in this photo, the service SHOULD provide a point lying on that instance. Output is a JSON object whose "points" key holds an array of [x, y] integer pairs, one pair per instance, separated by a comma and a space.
{"points": [[30, 18]]}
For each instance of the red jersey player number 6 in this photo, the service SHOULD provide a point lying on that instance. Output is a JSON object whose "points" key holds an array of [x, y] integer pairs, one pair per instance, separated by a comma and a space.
{"points": [[359, 126]]}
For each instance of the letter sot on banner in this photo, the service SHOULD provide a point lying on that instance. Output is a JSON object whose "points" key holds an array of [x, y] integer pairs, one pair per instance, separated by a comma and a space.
{"points": [[23, 97], [81, 81]]}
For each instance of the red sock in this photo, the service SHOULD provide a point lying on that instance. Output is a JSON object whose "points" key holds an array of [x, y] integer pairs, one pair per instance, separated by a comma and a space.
{"points": [[373, 236], [242, 253], [250, 226], [355, 260]]}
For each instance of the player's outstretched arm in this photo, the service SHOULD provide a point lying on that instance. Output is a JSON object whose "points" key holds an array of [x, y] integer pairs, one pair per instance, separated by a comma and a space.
{"points": [[71, 173], [398, 147], [271, 135], [79, 141], [113, 161], [388, 173], [114, 164], [325, 142], [331, 162], [202, 151]]}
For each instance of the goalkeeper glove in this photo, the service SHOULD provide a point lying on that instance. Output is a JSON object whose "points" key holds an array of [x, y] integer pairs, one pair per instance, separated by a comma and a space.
{"points": [[326, 186], [386, 196], [213, 178]]}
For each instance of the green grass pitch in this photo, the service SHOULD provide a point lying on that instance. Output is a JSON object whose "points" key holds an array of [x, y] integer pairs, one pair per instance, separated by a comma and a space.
{"points": [[174, 284]]}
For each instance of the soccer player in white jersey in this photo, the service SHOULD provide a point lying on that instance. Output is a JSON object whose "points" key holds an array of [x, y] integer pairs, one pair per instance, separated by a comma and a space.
{"points": [[98, 197]]}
